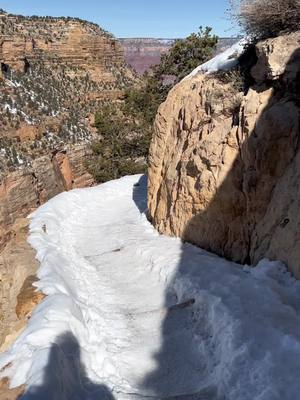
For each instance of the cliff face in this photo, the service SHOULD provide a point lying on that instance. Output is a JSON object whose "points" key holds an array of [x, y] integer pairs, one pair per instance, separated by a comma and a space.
{"points": [[75, 43], [225, 166], [55, 72], [21, 192], [24, 190]]}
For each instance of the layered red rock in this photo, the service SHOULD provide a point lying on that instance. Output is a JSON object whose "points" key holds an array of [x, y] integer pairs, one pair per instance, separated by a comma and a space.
{"points": [[24, 190], [141, 54], [70, 66], [74, 43]]}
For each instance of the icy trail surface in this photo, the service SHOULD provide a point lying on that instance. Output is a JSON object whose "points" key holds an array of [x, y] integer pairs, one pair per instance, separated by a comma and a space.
{"points": [[131, 314]]}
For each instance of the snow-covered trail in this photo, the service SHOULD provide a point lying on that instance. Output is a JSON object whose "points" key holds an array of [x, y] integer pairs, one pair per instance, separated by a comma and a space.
{"points": [[131, 314]]}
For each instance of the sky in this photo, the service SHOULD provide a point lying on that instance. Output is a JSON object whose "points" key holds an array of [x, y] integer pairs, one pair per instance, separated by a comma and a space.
{"points": [[135, 18]]}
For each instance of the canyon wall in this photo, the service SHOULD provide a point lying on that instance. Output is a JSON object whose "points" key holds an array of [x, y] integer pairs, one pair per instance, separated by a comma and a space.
{"points": [[24, 190], [21, 192], [77, 44], [55, 73], [225, 163]]}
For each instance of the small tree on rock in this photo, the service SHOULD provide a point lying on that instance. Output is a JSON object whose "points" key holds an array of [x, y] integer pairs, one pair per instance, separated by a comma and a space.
{"points": [[187, 54]]}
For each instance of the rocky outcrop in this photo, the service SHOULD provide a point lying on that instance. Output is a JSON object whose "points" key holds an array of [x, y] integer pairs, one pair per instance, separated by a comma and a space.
{"points": [[225, 165], [21, 192], [24, 190], [17, 262], [56, 73]]}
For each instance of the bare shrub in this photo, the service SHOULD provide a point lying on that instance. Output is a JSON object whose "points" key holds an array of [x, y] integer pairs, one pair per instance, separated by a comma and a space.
{"points": [[261, 19]]}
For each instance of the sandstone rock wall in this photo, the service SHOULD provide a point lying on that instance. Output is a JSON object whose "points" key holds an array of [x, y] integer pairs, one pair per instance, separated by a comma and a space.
{"points": [[225, 166]]}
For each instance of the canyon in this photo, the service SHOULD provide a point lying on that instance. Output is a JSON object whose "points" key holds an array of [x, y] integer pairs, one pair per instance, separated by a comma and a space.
{"points": [[222, 196], [143, 53], [224, 159], [55, 72]]}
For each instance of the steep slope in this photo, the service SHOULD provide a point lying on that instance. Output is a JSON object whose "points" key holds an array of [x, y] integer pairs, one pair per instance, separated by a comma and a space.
{"points": [[225, 165], [54, 74]]}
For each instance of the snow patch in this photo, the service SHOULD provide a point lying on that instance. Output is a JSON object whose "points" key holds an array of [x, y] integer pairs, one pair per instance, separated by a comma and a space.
{"points": [[222, 62], [132, 314]]}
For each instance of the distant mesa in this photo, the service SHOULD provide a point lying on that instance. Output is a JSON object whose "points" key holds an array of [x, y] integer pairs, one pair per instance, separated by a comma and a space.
{"points": [[142, 53]]}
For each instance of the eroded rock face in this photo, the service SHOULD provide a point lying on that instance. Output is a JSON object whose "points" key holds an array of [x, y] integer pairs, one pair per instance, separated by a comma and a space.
{"points": [[24, 190], [54, 74], [276, 58], [224, 166], [21, 192], [76, 43], [17, 262]]}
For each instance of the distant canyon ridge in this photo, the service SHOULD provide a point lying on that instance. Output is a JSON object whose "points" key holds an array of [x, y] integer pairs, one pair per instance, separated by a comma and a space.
{"points": [[142, 53]]}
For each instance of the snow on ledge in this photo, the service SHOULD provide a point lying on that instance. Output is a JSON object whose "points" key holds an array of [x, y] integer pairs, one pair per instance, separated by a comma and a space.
{"points": [[222, 62]]}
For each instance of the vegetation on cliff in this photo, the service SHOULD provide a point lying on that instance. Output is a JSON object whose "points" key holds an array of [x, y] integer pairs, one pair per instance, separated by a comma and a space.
{"points": [[42, 111], [10, 24], [123, 143], [186, 54], [125, 130], [47, 99]]}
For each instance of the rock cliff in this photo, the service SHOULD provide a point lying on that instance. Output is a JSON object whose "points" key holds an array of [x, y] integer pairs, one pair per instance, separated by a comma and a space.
{"points": [[25, 189], [82, 46], [21, 192], [55, 72], [225, 163]]}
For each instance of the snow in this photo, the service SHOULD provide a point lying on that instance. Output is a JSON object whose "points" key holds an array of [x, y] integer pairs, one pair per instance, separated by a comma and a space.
{"points": [[12, 83], [131, 314], [11, 109], [224, 61]]}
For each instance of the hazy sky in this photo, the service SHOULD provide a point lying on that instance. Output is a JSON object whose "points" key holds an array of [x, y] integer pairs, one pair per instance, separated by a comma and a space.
{"points": [[135, 18]]}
